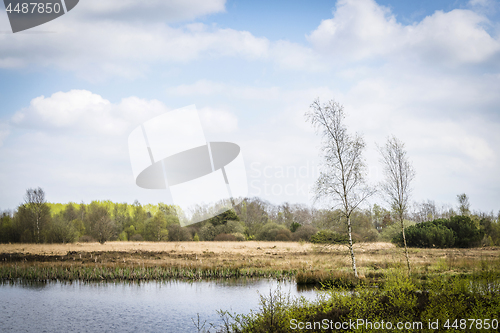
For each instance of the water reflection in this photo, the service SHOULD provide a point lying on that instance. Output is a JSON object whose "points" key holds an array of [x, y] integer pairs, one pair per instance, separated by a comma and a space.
{"points": [[166, 306]]}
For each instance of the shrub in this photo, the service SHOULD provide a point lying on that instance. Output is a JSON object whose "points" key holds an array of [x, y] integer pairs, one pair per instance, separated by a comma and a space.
{"points": [[207, 232], [329, 237], [239, 236], [229, 227], [225, 238], [467, 234], [136, 238], [283, 235], [269, 231], [393, 230], [370, 235], [304, 233], [60, 231], [86, 239], [177, 233], [427, 234], [294, 226]]}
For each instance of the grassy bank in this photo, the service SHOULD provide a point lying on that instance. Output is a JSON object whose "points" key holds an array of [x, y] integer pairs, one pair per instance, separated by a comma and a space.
{"points": [[309, 264], [442, 304]]}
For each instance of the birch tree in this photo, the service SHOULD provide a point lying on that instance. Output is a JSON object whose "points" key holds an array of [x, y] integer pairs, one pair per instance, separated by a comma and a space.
{"points": [[399, 174], [342, 178], [38, 212]]}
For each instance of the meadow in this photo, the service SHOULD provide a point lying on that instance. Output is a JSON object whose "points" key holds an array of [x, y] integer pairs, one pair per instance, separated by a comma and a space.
{"points": [[305, 262]]}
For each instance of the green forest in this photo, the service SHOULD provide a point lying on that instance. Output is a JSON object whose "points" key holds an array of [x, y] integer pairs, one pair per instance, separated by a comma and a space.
{"points": [[427, 225]]}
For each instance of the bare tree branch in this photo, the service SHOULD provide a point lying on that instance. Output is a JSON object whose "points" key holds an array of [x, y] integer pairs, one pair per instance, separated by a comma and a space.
{"points": [[342, 180], [399, 174]]}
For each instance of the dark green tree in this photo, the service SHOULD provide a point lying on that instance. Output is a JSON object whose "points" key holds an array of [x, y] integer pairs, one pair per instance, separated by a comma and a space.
{"points": [[100, 225]]}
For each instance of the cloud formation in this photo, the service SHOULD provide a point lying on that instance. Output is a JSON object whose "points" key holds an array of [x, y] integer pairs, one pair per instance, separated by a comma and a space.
{"points": [[362, 29]]}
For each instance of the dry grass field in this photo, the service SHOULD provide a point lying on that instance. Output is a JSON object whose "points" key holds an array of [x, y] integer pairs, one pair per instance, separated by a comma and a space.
{"points": [[372, 258]]}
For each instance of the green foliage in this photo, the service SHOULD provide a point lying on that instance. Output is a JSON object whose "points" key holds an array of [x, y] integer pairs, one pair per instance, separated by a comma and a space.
{"points": [[398, 300], [8, 229], [196, 238], [458, 231], [239, 236], [156, 228], [304, 233], [427, 234], [283, 235], [391, 231], [222, 218], [294, 226], [467, 233], [254, 218], [123, 236], [61, 231], [329, 237], [176, 233], [269, 231], [491, 230], [32, 219], [99, 223], [207, 232]]}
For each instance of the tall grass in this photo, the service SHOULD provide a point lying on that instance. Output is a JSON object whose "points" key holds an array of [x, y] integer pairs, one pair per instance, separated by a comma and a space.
{"points": [[109, 273], [398, 300]]}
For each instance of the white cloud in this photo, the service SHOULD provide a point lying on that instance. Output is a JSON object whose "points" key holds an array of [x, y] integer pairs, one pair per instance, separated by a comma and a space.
{"points": [[173, 10], [104, 48], [85, 112], [209, 88], [101, 40], [218, 121], [362, 29], [4, 132]]}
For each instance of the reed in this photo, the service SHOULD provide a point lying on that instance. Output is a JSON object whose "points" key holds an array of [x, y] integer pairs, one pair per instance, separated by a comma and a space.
{"points": [[109, 273]]}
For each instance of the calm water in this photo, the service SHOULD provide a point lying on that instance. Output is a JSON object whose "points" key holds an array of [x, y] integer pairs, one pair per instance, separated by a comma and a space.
{"points": [[122, 307]]}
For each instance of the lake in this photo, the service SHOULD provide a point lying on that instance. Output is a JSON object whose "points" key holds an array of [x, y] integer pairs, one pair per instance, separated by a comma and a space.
{"points": [[126, 307]]}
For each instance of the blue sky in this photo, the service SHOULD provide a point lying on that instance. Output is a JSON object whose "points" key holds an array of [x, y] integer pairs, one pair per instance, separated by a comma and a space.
{"points": [[428, 72]]}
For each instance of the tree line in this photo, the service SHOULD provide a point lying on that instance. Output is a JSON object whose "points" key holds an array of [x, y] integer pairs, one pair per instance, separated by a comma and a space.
{"points": [[38, 221]]}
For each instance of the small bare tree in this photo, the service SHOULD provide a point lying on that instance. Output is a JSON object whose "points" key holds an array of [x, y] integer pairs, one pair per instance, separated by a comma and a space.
{"points": [[342, 180], [34, 202], [399, 174], [463, 204]]}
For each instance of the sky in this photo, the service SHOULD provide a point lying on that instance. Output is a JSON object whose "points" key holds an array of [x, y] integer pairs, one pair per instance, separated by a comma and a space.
{"points": [[428, 72]]}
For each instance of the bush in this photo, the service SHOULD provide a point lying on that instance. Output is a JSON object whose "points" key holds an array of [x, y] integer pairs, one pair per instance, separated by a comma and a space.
{"points": [[458, 231], [304, 233], [294, 226], [269, 231], [177, 233], [60, 231], [427, 234], [370, 235], [136, 238], [239, 236], [467, 234], [329, 237], [393, 230], [86, 239], [225, 238], [207, 232], [283, 235]]}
